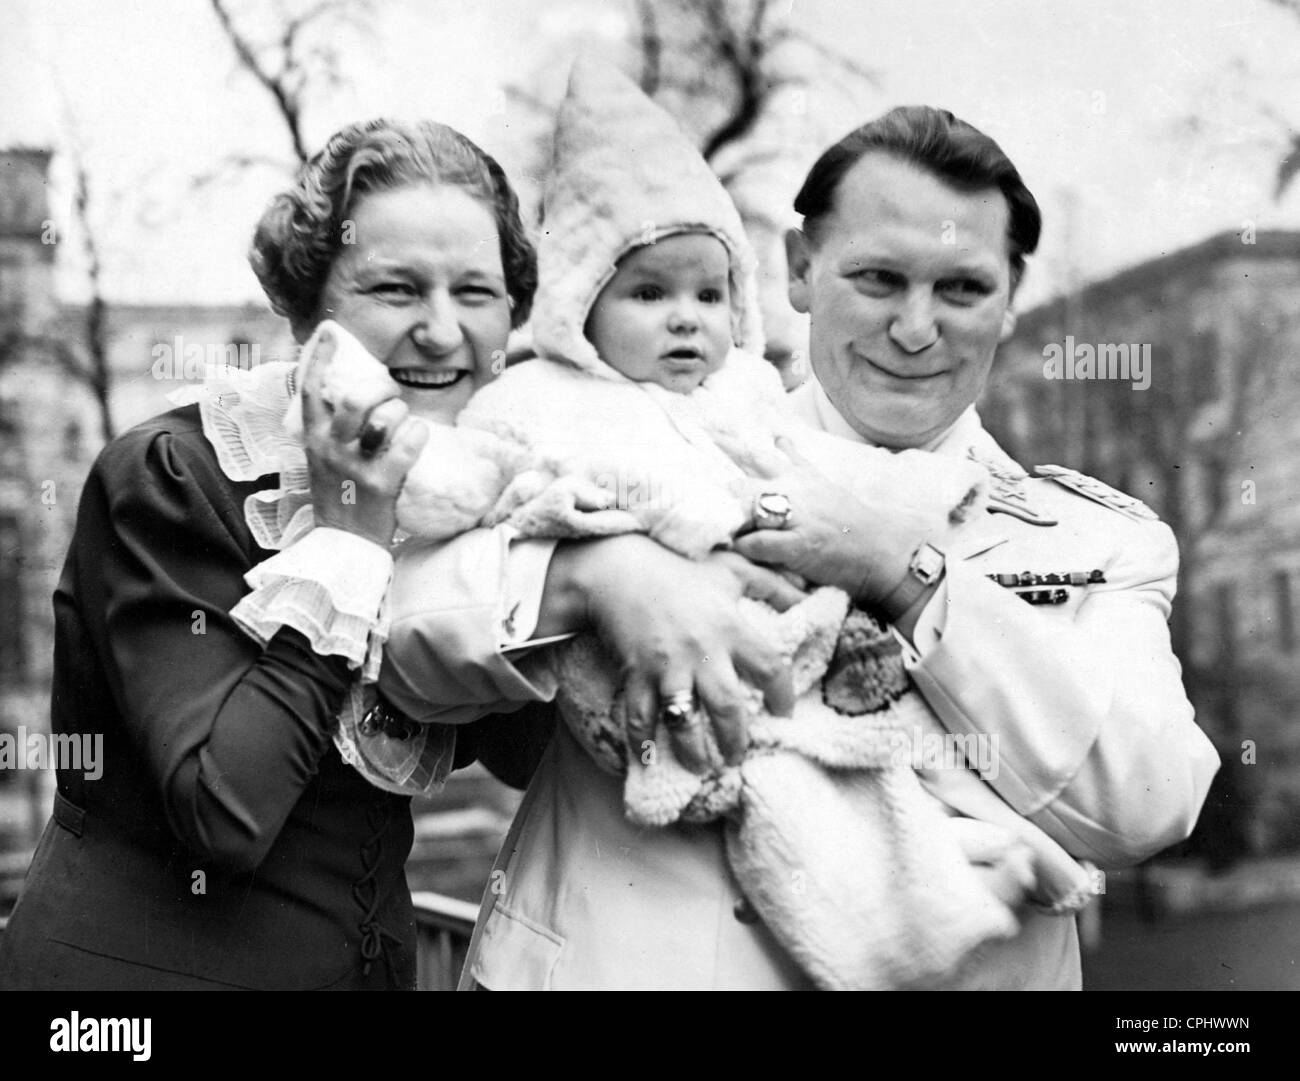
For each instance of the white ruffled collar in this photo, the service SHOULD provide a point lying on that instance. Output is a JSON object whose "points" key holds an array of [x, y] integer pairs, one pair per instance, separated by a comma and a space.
{"points": [[243, 414]]}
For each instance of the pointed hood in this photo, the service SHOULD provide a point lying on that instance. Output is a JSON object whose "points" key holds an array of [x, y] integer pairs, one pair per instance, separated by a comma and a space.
{"points": [[624, 174]]}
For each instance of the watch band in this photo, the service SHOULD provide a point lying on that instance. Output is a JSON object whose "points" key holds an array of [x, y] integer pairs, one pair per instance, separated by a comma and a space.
{"points": [[924, 569]]}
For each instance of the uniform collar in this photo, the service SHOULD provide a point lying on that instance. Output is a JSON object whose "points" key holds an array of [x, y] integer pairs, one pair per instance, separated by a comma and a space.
{"points": [[966, 438], [815, 406]]}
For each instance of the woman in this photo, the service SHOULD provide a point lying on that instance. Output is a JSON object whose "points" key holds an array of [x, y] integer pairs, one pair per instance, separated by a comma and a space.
{"points": [[227, 844]]}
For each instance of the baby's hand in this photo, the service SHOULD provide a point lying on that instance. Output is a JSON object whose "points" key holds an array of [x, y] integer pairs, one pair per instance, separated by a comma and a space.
{"points": [[1002, 861], [696, 524]]}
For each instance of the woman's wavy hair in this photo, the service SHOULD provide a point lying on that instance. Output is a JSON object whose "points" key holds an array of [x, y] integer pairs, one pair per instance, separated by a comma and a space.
{"points": [[302, 230]]}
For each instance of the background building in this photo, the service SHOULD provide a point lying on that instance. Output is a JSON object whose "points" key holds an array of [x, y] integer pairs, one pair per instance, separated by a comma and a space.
{"points": [[1213, 445], [52, 426]]}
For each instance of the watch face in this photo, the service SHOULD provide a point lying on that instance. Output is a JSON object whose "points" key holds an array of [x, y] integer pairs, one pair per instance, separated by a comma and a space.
{"points": [[927, 564]]}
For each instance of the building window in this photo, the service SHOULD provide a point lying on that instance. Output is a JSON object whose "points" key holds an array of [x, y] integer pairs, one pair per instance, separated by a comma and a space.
{"points": [[72, 445], [1214, 480], [1209, 368], [1225, 610], [1285, 611], [9, 417], [13, 656]]}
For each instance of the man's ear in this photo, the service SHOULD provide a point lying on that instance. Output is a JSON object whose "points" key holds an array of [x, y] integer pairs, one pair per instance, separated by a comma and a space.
{"points": [[1008, 325], [798, 261]]}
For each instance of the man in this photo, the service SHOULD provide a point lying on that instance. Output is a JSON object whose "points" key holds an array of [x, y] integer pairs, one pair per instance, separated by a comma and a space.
{"points": [[916, 227], [907, 271]]}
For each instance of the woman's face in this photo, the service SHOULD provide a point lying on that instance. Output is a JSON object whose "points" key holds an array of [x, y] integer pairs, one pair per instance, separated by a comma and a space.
{"points": [[419, 282]]}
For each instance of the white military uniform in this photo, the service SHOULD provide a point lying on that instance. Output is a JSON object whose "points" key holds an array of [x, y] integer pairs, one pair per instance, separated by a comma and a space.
{"points": [[1096, 740]]}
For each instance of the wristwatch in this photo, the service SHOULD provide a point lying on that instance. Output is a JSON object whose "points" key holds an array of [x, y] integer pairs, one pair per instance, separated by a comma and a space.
{"points": [[924, 569]]}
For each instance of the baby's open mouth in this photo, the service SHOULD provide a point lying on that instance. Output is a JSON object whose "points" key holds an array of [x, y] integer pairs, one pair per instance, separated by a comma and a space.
{"points": [[685, 353], [423, 379]]}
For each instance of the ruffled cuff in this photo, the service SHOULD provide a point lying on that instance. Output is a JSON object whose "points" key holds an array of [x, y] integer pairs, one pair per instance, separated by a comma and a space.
{"points": [[415, 762], [331, 586]]}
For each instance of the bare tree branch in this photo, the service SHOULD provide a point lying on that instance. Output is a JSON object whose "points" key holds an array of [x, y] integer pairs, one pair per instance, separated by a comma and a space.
{"points": [[651, 47], [530, 100], [724, 37], [94, 371], [17, 344], [747, 161], [845, 63], [1292, 6], [1288, 167], [745, 62], [233, 164], [97, 374], [285, 81]]}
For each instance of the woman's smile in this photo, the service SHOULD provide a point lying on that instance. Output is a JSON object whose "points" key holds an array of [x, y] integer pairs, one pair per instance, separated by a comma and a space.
{"points": [[423, 290], [423, 379]]}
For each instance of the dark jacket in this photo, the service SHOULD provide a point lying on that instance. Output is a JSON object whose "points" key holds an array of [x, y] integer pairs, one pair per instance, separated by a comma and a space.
{"points": [[226, 842]]}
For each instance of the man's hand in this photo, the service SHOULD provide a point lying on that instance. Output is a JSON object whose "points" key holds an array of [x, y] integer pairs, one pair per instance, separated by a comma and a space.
{"points": [[674, 626], [833, 538]]}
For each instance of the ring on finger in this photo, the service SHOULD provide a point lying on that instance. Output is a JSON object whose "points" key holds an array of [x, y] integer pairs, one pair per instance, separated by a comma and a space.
{"points": [[679, 711], [372, 437], [773, 510]]}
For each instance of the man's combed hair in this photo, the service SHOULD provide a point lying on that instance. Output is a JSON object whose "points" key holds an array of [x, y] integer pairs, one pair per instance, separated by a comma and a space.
{"points": [[937, 141], [302, 231]]}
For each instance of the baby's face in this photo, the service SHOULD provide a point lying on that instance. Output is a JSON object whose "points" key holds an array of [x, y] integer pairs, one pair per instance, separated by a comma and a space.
{"points": [[665, 316]]}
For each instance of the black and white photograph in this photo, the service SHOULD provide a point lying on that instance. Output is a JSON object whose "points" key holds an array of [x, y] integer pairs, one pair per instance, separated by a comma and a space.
{"points": [[651, 495]]}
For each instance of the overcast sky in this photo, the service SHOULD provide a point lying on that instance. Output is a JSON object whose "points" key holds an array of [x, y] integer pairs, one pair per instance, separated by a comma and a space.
{"points": [[1142, 126]]}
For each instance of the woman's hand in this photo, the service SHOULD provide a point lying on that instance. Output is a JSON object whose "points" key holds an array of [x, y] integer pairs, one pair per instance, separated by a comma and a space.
{"points": [[359, 447], [675, 627], [833, 538]]}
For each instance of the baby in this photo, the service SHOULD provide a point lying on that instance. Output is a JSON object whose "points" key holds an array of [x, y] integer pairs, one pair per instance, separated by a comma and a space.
{"points": [[647, 409]]}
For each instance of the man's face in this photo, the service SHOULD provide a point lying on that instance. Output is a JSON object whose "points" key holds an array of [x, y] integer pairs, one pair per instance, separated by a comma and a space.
{"points": [[908, 290]]}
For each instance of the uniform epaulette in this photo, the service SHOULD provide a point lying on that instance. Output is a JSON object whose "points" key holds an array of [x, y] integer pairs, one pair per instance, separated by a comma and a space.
{"points": [[1093, 489], [1008, 491]]}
